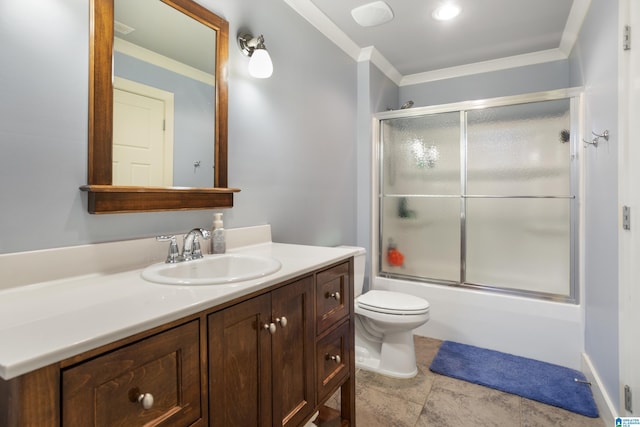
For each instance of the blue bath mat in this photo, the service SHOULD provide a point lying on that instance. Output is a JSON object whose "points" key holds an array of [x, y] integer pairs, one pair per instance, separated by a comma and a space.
{"points": [[551, 384]]}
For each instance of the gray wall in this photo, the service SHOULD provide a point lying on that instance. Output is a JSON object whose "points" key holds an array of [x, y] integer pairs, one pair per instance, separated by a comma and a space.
{"points": [[594, 64], [376, 92], [515, 81], [291, 137]]}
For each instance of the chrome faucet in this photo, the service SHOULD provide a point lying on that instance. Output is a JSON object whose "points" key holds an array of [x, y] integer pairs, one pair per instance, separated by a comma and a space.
{"points": [[190, 248]]}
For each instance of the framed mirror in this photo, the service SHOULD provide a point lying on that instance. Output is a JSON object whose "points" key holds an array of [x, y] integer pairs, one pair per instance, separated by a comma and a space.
{"points": [[109, 189]]}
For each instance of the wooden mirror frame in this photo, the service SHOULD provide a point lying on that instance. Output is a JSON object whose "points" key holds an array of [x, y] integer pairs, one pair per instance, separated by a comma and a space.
{"points": [[106, 198]]}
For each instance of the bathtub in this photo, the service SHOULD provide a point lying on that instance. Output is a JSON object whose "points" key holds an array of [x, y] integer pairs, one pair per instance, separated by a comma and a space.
{"points": [[539, 329]]}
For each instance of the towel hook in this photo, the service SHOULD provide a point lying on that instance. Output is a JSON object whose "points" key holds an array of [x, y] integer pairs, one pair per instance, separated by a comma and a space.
{"points": [[596, 138], [604, 135]]}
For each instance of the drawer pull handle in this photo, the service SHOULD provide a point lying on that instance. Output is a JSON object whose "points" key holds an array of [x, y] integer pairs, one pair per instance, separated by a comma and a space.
{"points": [[282, 320], [335, 358], [271, 327], [146, 400], [334, 295]]}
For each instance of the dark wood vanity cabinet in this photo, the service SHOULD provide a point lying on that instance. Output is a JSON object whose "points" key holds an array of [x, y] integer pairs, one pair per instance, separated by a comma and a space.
{"points": [[334, 350], [261, 359], [152, 382], [271, 358]]}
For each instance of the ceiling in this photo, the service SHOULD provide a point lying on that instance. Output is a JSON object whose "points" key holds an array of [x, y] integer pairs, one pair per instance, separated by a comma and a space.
{"points": [[412, 48], [187, 41], [487, 35]]}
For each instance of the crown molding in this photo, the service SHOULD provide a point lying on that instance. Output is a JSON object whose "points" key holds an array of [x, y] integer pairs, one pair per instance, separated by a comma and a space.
{"points": [[320, 21], [146, 55], [484, 67], [578, 12], [372, 55]]}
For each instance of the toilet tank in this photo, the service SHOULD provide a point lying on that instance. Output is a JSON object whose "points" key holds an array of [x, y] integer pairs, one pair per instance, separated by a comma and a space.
{"points": [[359, 261]]}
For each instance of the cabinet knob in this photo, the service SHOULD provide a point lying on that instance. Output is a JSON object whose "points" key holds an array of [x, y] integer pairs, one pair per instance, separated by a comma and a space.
{"points": [[282, 320], [271, 327], [334, 295], [336, 358], [146, 400]]}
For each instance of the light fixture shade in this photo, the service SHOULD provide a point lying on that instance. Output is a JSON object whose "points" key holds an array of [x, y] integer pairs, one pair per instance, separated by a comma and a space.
{"points": [[260, 65]]}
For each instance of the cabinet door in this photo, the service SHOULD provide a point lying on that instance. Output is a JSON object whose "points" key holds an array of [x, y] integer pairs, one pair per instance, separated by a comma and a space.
{"points": [[163, 371], [293, 373], [240, 364]]}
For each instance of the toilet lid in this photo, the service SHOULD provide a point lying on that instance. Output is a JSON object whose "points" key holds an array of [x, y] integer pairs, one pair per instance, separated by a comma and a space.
{"points": [[392, 302]]}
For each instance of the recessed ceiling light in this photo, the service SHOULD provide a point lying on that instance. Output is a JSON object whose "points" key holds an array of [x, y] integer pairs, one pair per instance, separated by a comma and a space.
{"points": [[446, 12], [371, 14]]}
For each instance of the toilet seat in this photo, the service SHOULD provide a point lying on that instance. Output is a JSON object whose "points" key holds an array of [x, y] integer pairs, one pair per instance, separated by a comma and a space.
{"points": [[392, 303]]}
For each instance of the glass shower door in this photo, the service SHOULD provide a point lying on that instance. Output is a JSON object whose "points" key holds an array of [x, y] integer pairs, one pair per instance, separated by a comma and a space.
{"points": [[420, 197], [518, 197], [482, 195]]}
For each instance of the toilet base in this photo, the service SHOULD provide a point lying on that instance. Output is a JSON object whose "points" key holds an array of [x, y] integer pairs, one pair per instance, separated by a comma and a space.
{"points": [[394, 357]]}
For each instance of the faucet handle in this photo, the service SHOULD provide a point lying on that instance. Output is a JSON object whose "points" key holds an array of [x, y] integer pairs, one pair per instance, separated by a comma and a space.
{"points": [[174, 253]]}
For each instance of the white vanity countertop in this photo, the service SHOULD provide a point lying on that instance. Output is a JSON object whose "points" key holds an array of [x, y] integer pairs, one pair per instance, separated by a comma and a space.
{"points": [[47, 322]]}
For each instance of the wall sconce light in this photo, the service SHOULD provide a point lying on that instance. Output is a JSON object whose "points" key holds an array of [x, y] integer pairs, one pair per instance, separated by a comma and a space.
{"points": [[260, 65]]}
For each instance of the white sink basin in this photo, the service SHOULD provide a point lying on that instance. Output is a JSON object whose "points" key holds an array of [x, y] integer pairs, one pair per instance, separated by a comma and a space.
{"points": [[212, 270]]}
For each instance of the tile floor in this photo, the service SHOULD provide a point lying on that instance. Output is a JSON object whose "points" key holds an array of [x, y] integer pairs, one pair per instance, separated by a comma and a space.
{"points": [[432, 400]]}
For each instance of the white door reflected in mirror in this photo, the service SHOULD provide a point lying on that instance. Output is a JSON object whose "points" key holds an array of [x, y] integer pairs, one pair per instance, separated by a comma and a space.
{"points": [[143, 135]]}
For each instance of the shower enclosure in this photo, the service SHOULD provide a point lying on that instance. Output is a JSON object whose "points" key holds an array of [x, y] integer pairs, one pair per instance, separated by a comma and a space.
{"points": [[481, 194]]}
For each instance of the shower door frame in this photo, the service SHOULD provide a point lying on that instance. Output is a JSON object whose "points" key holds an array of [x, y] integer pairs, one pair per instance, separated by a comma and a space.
{"points": [[575, 96]]}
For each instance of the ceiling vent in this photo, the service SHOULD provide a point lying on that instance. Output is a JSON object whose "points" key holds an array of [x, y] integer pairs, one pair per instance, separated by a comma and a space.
{"points": [[121, 28], [372, 14]]}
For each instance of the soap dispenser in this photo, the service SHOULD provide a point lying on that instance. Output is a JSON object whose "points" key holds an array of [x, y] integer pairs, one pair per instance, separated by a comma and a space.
{"points": [[218, 240]]}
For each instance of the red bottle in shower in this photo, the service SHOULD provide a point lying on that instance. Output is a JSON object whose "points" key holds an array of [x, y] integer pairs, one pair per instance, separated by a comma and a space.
{"points": [[394, 256]]}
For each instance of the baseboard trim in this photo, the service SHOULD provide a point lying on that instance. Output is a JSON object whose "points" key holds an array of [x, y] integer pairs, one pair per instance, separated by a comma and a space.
{"points": [[603, 401]]}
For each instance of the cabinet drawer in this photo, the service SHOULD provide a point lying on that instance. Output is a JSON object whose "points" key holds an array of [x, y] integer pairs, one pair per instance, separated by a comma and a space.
{"points": [[165, 368], [333, 296], [332, 359]]}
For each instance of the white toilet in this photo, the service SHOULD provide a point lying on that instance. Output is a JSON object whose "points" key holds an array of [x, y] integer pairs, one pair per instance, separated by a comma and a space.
{"points": [[384, 324]]}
